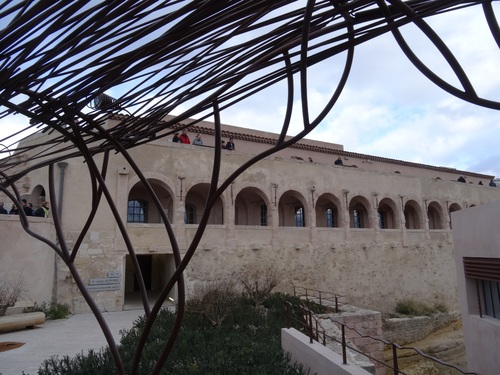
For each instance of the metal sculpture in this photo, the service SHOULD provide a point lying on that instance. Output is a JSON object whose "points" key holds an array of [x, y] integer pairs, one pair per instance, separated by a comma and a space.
{"points": [[58, 60]]}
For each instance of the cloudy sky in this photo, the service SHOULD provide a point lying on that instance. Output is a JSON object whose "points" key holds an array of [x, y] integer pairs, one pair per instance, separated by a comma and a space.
{"points": [[388, 108]]}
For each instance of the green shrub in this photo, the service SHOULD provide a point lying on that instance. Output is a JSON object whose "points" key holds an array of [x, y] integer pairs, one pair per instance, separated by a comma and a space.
{"points": [[247, 342], [53, 310], [413, 308], [95, 363], [440, 307]]}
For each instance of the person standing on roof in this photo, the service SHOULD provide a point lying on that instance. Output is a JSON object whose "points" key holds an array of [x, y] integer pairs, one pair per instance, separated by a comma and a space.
{"points": [[184, 137]]}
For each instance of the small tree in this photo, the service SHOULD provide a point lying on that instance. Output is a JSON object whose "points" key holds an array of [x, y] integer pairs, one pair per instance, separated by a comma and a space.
{"points": [[10, 292], [258, 280], [215, 300]]}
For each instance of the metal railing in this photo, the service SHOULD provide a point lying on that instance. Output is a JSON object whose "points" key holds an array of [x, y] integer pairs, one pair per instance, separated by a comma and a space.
{"points": [[309, 324], [325, 299]]}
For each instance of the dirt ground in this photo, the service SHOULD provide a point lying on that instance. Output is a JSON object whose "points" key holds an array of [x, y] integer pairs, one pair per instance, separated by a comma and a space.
{"points": [[445, 344]]}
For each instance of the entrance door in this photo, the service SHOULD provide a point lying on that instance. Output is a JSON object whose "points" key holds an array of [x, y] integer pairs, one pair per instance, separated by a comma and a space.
{"points": [[145, 264], [156, 270]]}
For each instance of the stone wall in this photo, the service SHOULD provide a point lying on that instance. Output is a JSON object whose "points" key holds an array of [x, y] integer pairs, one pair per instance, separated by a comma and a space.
{"points": [[403, 331], [26, 259], [359, 323], [373, 266]]}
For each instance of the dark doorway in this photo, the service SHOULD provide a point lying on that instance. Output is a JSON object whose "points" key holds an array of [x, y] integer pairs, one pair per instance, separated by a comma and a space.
{"points": [[145, 264], [156, 269]]}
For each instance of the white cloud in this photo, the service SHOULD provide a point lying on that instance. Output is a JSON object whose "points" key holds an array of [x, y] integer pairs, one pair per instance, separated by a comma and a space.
{"points": [[388, 108]]}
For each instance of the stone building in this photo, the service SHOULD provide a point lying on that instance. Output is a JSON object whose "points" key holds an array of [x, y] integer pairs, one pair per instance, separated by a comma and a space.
{"points": [[478, 271], [373, 229]]}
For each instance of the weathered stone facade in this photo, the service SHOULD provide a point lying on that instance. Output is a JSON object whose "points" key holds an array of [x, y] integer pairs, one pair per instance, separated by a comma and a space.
{"points": [[366, 232]]}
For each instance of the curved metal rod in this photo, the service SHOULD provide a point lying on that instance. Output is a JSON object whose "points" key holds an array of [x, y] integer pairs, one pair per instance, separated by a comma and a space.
{"points": [[489, 13], [468, 94], [289, 101], [212, 196], [303, 62], [96, 199], [194, 67], [64, 255], [122, 228], [151, 315]]}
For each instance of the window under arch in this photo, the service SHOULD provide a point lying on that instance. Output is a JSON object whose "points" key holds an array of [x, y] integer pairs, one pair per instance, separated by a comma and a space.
{"points": [[412, 214], [190, 214], [263, 215], [136, 211], [250, 207], [359, 214], [299, 217], [357, 217], [434, 216], [387, 219], [329, 218]]}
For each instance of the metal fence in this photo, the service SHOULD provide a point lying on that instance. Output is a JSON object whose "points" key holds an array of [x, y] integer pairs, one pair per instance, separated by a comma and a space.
{"points": [[323, 298], [309, 325]]}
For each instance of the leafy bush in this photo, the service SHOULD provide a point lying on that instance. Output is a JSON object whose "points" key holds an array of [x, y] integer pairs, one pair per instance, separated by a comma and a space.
{"points": [[53, 310], [247, 342], [413, 308], [96, 363]]}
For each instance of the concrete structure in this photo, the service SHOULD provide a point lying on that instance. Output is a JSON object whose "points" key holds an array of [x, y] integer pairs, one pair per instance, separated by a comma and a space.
{"points": [[21, 321], [477, 245], [315, 357], [374, 229]]}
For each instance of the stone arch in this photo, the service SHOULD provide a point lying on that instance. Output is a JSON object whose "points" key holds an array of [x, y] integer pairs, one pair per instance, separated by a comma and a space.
{"points": [[435, 215], [292, 208], [413, 215], [359, 212], [453, 207], [388, 214], [37, 196], [328, 211], [251, 207], [140, 204], [195, 201]]}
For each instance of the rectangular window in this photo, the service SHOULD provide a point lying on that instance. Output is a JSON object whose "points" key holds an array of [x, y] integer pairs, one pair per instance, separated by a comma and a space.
{"points": [[381, 219], [486, 273], [263, 215], [299, 217], [190, 215], [136, 212], [491, 298], [356, 215], [329, 218]]}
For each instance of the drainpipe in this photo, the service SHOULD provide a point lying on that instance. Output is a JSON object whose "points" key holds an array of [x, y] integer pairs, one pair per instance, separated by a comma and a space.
{"points": [[62, 166]]}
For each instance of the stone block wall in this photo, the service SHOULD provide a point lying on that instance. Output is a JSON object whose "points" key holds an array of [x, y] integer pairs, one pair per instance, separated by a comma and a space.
{"points": [[403, 331], [360, 323]]}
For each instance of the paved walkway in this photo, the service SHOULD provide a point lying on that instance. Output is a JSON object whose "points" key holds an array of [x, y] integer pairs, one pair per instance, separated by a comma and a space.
{"points": [[60, 337]]}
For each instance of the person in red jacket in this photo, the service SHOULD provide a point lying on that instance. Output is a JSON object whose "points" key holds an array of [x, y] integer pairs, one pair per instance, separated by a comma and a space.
{"points": [[184, 137]]}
